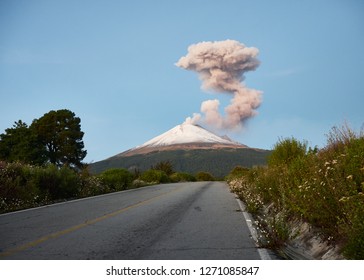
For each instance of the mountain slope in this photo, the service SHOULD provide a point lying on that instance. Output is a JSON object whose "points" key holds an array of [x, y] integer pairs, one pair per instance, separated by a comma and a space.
{"points": [[184, 136], [190, 148], [186, 133], [218, 162]]}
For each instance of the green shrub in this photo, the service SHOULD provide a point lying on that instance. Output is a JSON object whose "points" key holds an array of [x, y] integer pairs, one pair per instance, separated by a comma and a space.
{"points": [[237, 172], [154, 176], [57, 183], [182, 177], [17, 190], [204, 176], [352, 226], [116, 179], [286, 150], [91, 186], [165, 166], [24, 185]]}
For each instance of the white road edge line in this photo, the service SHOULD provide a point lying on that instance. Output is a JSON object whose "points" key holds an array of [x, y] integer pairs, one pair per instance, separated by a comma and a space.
{"points": [[263, 253]]}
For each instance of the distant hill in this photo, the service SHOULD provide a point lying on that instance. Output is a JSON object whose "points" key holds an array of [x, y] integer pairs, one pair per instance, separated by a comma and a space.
{"points": [[218, 162], [190, 148]]}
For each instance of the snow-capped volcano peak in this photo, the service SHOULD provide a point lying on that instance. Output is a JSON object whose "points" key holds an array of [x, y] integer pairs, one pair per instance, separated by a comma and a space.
{"points": [[186, 133], [185, 136]]}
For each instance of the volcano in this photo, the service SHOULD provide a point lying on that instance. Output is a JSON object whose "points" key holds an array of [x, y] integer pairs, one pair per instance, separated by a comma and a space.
{"points": [[185, 137], [190, 148]]}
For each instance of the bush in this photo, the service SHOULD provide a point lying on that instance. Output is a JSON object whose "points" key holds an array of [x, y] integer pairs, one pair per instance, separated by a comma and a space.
{"points": [[286, 150], [116, 179], [17, 190], [57, 183], [23, 185], [204, 176], [352, 226], [91, 186], [237, 172], [182, 177], [165, 166], [154, 176]]}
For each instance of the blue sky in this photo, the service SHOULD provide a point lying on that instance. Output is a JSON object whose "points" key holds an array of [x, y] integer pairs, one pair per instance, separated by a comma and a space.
{"points": [[112, 63]]}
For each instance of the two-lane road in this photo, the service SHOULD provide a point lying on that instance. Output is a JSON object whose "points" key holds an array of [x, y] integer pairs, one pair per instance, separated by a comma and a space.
{"points": [[171, 221]]}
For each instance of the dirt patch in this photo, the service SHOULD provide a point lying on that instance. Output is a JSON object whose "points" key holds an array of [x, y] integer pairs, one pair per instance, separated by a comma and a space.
{"points": [[307, 244]]}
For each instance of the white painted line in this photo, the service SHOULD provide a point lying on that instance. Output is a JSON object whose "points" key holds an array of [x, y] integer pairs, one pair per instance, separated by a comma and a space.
{"points": [[263, 253]]}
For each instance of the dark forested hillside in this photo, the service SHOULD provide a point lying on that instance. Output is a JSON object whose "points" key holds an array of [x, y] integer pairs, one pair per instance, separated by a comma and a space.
{"points": [[218, 162]]}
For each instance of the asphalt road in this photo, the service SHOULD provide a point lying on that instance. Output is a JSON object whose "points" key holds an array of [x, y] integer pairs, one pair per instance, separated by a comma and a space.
{"points": [[172, 221]]}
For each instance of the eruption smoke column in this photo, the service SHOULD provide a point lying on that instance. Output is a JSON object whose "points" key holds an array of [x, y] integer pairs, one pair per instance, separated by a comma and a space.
{"points": [[221, 66]]}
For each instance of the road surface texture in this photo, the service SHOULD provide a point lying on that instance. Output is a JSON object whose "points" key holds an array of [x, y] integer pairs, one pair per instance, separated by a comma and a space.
{"points": [[172, 221]]}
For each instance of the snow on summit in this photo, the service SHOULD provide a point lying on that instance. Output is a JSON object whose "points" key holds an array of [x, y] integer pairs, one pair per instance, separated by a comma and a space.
{"points": [[186, 136], [186, 133]]}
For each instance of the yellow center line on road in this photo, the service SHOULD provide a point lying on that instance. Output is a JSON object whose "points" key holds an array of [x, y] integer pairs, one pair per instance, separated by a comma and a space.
{"points": [[79, 226]]}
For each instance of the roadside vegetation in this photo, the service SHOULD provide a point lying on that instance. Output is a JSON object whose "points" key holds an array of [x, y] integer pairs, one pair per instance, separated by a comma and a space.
{"points": [[42, 164], [323, 188], [24, 185]]}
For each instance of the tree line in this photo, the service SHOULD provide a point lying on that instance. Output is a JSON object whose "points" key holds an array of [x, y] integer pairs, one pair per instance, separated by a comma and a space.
{"points": [[54, 138]]}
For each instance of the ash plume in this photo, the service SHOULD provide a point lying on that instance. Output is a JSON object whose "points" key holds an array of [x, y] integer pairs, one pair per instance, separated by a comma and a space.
{"points": [[221, 66]]}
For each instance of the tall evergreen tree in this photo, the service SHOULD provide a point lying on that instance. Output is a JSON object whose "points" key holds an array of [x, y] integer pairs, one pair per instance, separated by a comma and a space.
{"points": [[61, 136]]}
